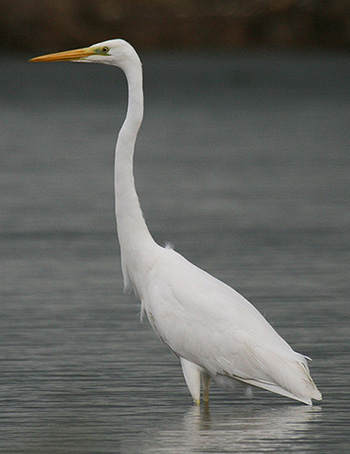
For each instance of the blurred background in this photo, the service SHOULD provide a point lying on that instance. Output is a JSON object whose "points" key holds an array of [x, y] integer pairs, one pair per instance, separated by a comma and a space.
{"points": [[182, 24]]}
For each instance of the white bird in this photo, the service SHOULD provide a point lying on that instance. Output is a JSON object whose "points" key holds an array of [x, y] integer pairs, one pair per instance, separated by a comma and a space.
{"points": [[216, 332]]}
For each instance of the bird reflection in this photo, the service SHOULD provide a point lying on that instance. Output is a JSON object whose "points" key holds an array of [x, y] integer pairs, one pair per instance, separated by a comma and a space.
{"points": [[238, 430]]}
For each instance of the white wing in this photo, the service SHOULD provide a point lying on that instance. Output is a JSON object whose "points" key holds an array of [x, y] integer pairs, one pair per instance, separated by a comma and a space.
{"points": [[208, 323]]}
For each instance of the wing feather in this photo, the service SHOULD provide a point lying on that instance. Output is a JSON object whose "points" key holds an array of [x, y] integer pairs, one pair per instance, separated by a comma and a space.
{"points": [[208, 323]]}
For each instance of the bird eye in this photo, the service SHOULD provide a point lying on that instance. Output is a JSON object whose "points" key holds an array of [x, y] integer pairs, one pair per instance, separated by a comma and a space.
{"points": [[105, 49]]}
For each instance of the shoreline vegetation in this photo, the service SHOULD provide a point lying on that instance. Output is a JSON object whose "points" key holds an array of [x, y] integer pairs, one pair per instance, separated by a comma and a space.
{"points": [[175, 24]]}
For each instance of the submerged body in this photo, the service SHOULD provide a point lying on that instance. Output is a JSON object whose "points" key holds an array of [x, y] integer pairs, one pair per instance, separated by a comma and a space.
{"points": [[216, 333]]}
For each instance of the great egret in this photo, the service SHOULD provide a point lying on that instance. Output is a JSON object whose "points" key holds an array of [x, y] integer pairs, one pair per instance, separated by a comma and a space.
{"points": [[216, 332]]}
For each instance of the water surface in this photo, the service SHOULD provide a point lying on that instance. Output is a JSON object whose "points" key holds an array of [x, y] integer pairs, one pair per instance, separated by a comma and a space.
{"points": [[243, 164]]}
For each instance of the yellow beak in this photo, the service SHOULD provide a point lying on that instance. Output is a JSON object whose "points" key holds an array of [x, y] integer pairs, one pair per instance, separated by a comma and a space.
{"points": [[68, 55]]}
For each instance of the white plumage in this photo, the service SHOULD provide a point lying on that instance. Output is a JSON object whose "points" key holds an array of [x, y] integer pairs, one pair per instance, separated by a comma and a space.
{"points": [[216, 333]]}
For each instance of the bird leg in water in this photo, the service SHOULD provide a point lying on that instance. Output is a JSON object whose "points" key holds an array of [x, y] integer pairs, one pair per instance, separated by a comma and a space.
{"points": [[206, 387], [249, 392]]}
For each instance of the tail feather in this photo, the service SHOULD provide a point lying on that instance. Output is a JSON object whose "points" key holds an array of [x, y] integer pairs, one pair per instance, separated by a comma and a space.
{"points": [[312, 388], [289, 373], [281, 373], [278, 390]]}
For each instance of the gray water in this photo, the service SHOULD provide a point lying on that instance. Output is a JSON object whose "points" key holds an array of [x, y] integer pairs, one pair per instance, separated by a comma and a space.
{"points": [[243, 164]]}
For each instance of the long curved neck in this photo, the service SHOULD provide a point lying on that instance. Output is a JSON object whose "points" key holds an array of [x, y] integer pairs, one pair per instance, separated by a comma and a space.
{"points": [[134, 236]]}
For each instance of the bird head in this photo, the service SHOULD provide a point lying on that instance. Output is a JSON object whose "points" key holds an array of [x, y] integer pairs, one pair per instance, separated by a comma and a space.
{"points": [[112, 52]]}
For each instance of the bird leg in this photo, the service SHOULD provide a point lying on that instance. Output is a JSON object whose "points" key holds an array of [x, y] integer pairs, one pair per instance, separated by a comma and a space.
{"points": [[192, 374], [206, 379]]}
